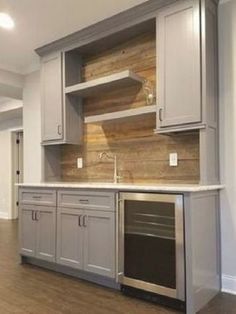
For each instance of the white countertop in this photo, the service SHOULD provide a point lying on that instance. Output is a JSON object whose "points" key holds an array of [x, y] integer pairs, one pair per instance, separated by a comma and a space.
{"points": [[127, 187]]}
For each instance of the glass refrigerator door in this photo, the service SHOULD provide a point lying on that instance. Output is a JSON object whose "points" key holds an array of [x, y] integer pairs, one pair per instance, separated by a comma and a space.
{"points": [[149, 242]]}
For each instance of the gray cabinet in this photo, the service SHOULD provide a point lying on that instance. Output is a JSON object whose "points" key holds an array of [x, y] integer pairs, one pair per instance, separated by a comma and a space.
{"points": [[99, 243], [86, 240], [61, 114], [37, 231], [46, 233], [43, 197], [86, 230], [52, 102], [27, 231], [69, 237], [179, 64]]}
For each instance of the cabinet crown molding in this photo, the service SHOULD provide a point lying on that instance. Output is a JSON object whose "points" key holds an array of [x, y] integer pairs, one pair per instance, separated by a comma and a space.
{"points": [[106, 27]]}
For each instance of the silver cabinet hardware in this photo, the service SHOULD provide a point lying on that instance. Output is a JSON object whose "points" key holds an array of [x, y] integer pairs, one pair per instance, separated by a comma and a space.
{"points": [[59, 129], [37, 215], [84, 221], [160, 114], [79, 220], [37, 197], [84, 201]]}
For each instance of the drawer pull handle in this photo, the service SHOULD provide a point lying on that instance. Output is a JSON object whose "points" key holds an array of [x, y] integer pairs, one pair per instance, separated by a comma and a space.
{"points": [[32, 215], [37, 196], [84, 201]]}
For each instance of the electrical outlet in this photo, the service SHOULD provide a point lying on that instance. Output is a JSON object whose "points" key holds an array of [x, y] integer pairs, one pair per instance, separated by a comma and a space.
{"points": [[79, 163], [173, 160]]}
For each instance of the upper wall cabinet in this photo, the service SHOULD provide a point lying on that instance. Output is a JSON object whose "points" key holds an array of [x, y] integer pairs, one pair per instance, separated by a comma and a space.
{"points": [[52, 115], [179, 65], [187, 70], [61, 116]]}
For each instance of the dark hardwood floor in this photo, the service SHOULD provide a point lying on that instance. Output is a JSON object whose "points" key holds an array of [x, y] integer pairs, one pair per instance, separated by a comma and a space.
{"points": [[27, 289]]}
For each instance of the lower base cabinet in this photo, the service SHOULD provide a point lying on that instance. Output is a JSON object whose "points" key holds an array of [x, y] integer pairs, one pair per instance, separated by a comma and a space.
{"points": [[27, 234], [99, 243], [86, 240], [38, 232], [69, 227], [69, 238]]}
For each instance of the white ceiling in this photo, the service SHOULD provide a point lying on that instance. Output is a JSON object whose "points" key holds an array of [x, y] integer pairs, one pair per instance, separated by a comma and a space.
{"points": [[38, 22]]}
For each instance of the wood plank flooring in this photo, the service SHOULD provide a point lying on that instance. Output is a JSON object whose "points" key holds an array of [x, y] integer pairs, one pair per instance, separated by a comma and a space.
{"points": [[27, 289]]}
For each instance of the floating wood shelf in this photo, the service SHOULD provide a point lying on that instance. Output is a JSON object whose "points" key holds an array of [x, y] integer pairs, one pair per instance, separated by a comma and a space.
{"points": [[120, 114], [93, 87]]}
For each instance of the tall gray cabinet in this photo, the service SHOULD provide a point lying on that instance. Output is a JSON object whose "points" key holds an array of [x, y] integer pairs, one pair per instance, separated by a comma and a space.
{"points": [[52, 101], [187, 66], [61, 114], [187, 72], [179, 64]]}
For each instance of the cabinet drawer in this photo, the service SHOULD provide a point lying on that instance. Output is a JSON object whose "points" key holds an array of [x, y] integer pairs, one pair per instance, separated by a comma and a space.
{"points": [[86, 199], [38, 196]]}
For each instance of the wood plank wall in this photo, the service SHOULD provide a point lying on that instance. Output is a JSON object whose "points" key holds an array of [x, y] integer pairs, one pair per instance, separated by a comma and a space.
{"points": [[142, 156]]}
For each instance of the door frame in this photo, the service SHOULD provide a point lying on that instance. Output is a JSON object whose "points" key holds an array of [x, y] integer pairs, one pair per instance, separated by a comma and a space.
{"points": [[13, 214]]}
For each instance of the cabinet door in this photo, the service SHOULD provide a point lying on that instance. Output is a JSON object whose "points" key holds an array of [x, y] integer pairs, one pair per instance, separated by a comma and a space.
{"points": [[27, 230], [70, 237], [179, 67], [99, 243], [52, 105], [46, 233]]}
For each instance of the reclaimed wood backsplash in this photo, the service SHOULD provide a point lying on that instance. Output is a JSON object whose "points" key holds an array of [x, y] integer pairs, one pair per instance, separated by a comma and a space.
{"points": [[142, 156]]}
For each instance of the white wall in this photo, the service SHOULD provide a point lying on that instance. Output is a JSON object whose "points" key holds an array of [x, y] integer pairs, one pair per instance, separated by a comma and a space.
{"points": [[32, 128], [11, 84], [227, 62], [6, 166]]}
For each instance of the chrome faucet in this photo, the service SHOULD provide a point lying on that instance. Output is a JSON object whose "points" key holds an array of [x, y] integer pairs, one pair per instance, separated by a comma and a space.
{"points": [[114, 158]]}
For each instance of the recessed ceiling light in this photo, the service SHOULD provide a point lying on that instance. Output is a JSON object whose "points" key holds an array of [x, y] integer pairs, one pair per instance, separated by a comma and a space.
{"points": [[6, 21]]}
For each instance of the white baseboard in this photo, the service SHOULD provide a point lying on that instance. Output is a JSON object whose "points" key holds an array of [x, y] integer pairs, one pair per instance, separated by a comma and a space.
{"points": [[4, 215], [229, 284]]}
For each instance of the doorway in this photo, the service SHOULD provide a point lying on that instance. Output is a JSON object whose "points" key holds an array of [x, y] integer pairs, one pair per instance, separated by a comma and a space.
{"points": [[17, 169]]}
